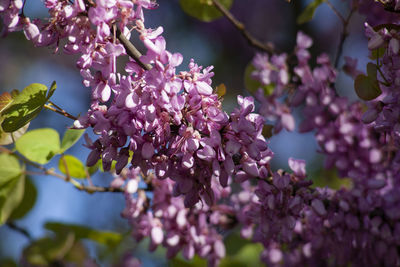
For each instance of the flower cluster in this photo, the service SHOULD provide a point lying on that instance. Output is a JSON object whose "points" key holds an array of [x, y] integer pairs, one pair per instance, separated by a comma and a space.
{"points": [[273, 73], [383, 112], [378, 12], [177, 153], [171, 225], [352, 225], [172, 122]]}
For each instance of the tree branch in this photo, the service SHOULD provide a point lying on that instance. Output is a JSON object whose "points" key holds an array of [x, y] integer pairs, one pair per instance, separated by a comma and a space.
{"points": [[59, 111], [19, 229], [131, 50], [51, 172], [89, 189], [240, 26], [343, 36], [337, 13], [66, 168], [93, 189]]}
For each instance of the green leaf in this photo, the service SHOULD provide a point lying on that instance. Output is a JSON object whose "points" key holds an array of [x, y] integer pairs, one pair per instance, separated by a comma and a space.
{"points": [[204, 10], [52, 89], [248, 255], [39, 145], [372, 71], [11, 185], [75, 166], [28, 201], [367, 87], [234, 243], [251, 84], [110, 239], [308, 12], [8, 138], [45, 251], [329, 178], [93, 169], [24, 107], [71, 136], [220, 90], [77, 254], [9, 167], [195, 262], [113, 163], [11, 194], [267, 130]]}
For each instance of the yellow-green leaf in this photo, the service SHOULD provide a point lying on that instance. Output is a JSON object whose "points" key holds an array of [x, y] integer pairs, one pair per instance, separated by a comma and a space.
{"points": [[221, 90], [8, 138], [24, 107], [70, 137], [75, 166], [39, 145], [9, 167]]}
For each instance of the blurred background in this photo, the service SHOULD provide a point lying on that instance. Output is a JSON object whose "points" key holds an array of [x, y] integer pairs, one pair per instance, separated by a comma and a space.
{"points": [[217, 43]]}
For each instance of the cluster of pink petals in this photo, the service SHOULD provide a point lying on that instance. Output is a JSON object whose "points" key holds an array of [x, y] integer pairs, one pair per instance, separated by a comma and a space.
{"points": [[177, 153]]}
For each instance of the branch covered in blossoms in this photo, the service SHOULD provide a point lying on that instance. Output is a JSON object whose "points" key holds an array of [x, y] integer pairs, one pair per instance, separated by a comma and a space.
{"points": [[178, 157]]}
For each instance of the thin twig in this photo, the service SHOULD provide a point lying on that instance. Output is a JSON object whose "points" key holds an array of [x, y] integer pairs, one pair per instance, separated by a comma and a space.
{"points": [[62, 112], [378, 66], [38, 166], [19, 229], [387, 83], [337, 13], [56, 106], [131, 50], [343, 36], [51, 172], [46, 172], [66, 167], [240, 26], [93, 189], [77, 185]]}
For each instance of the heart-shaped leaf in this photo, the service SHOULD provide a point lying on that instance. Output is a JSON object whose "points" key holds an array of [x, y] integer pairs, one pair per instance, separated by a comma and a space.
{"points": [[12, 181], [39, 145], [367, 87], [25, 106], [75, 166], [70, 137]]}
